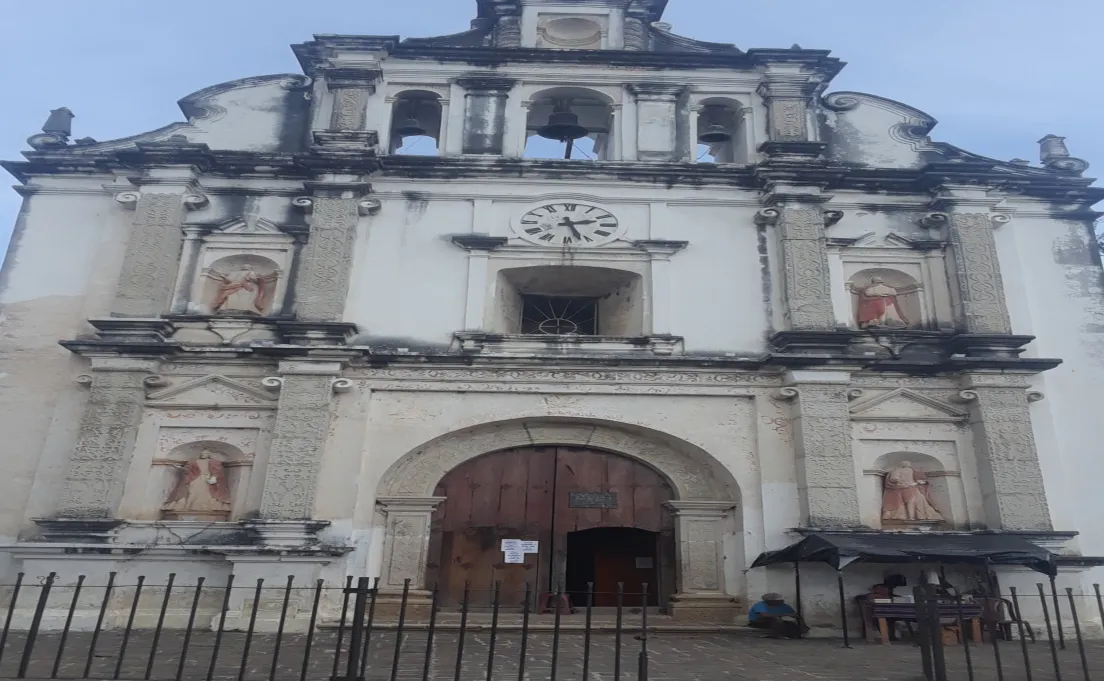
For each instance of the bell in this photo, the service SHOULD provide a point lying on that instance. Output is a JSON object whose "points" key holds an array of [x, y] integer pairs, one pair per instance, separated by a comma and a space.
{"points": [[563, 126], [715, 134], [410, 128]]}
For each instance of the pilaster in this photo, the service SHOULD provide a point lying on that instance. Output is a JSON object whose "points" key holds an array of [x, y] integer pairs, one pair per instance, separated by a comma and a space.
{"points": [[406, 540], [97, 469], [350, 89], [981, 305], [657, 135], [148, 274], [699, 541], [323, 285], [799, 219], [485, 114], [789, 134], [302, 426], [1012, 487], [827, 485]]}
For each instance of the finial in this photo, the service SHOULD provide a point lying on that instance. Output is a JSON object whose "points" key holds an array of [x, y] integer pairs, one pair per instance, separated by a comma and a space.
{"points": [[55, 131], [1055, 155], [60, 122]]}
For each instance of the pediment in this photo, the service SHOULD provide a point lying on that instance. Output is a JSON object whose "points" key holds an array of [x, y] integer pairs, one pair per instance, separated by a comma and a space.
{"points": [[905, 405], [213, 391], [258, 226]]}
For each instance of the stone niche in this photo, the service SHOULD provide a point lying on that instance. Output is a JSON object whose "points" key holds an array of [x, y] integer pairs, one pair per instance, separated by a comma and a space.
{"points": [[572, 32], [201, 481], [233, 278], [890, 283], [229, 420], [905, 436]]}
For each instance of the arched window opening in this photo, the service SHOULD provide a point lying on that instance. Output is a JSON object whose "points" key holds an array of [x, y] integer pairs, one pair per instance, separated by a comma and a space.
{"points": [[416, 124], [719, 141], [569, 123]]}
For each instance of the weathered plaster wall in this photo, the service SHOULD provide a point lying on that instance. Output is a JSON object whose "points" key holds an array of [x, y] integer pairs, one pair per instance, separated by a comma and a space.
{"points": [[1054, 285], [46, 294]]}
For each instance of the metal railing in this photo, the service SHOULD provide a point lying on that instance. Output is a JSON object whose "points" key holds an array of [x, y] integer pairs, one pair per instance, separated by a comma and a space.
{"points": [[1017, 648], [351, 631]]}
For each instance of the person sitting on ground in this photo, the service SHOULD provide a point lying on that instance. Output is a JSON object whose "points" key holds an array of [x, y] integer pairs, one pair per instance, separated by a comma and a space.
{"points": [[776, 616]]}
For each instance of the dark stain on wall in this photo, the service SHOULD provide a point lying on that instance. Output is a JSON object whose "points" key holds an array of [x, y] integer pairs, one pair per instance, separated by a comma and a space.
{"points": [[765, 276]]}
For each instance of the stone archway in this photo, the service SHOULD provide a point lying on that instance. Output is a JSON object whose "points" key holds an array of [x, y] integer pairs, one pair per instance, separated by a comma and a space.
{"points": [[705, 504]]}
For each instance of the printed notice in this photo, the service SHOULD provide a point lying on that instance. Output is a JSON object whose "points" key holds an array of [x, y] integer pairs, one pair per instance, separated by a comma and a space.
{"points": [[511, 545], [515, 557], [530, 547]]}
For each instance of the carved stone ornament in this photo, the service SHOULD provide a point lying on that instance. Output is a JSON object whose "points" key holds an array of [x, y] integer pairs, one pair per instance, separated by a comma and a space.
{"points": [[977, 270], [148, 274], [302, 427], [327, 259], [826, 475], [369, 206]]}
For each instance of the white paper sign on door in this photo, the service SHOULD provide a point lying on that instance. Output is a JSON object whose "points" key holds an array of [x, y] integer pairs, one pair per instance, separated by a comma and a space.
{"points": [[530, 546], [515, 557], [511, 545]]}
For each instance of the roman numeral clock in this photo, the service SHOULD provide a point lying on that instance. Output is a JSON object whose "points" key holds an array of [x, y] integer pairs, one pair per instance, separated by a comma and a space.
{"points": [[568, 224]]}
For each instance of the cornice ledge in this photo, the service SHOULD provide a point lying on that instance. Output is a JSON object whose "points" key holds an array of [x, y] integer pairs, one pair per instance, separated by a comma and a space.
{"points": [[478, 242]]}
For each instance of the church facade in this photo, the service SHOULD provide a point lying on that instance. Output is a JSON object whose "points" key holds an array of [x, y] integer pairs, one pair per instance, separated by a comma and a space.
{"points": [[563, 299]]}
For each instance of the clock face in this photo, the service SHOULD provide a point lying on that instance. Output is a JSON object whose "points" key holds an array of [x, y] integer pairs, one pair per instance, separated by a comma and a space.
{"points": [[568, 224]]}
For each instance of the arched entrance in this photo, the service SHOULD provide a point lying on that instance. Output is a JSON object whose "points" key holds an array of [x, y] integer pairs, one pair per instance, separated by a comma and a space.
{"points": [[704, 504], [591, 516]]}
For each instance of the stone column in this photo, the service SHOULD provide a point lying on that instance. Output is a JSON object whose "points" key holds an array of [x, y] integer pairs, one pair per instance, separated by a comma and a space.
{"points": [[97, 469], [485, 114], [295, 457], [826, 480], [349, 88], [981, 306], [327, 260], [1012, 487], [787, 101], [799, 220], [405, 552], [700, 580], [152, 257], [658, 129], [193, 242]]}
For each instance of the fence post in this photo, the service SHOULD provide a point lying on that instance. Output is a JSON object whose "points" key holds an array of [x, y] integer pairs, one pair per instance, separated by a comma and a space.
{"points": [[36, 622], [923, 630], [356, 629]]}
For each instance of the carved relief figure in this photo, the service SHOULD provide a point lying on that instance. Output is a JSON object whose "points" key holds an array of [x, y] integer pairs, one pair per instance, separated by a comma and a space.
{"points": [[243, 291], [201, 490], [878, 305], [907, 495]]}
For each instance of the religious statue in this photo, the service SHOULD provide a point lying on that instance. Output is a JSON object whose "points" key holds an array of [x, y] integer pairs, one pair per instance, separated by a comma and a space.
{"points": [[245, 291], [201, 490], [878, 305], [907, 495]]}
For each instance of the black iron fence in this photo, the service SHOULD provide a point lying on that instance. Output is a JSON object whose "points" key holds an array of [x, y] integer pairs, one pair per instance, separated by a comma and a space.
{"points": [[1041, 635], [290, 632]]}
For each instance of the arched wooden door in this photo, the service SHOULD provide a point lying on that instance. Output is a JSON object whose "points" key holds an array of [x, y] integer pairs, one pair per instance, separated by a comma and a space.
{"points": [[542, 494]]}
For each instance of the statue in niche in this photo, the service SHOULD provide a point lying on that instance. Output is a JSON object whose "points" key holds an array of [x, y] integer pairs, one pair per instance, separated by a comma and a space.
{"points": [[878, 305], [201, 491], [907, 496], [244, 291]]}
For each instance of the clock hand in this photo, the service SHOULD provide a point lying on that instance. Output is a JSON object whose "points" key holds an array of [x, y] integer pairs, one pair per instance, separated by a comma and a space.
{"points": [[571, 225], [584, 222]]}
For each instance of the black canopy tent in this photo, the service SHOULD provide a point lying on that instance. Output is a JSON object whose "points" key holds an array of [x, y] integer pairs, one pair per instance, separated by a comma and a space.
{"points": [[843, 548]]}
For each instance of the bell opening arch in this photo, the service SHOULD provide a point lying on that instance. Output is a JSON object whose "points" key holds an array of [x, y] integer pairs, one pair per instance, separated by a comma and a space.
{"points": [[703, 504]]}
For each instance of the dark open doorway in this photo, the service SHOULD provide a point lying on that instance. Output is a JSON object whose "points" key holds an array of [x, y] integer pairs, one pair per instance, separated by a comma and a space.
{"points": [[607, 556]]}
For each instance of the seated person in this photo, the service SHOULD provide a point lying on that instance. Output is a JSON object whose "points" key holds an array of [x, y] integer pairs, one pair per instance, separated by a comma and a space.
{"points": [[776, 616]]}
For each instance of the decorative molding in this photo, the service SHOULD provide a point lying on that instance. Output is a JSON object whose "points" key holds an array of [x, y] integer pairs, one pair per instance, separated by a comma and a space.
{"points": [[342, 385], [327, 260], [977, 270], [369, 207], [128, 200], [217, 390], [937, 411], [148, 273]]}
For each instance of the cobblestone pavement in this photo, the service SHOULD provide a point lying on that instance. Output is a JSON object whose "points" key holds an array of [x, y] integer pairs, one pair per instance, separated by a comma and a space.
{"points": [[672, 657]]}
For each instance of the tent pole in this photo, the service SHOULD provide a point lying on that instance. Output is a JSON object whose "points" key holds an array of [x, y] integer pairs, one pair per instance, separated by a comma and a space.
{"points": [[797, 589], [843, 609]]}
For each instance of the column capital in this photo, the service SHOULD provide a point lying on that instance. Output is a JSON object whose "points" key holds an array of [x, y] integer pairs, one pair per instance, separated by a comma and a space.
{"points": [[486, 84], [657, 91], [395, 505], [700, 509]]}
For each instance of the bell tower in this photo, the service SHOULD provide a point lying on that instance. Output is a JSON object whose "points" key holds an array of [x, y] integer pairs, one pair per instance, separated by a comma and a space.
{"points": [[572, 24]]}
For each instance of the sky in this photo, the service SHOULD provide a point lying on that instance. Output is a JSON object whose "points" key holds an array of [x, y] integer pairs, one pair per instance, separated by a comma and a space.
{"points": [[997, 74]]}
